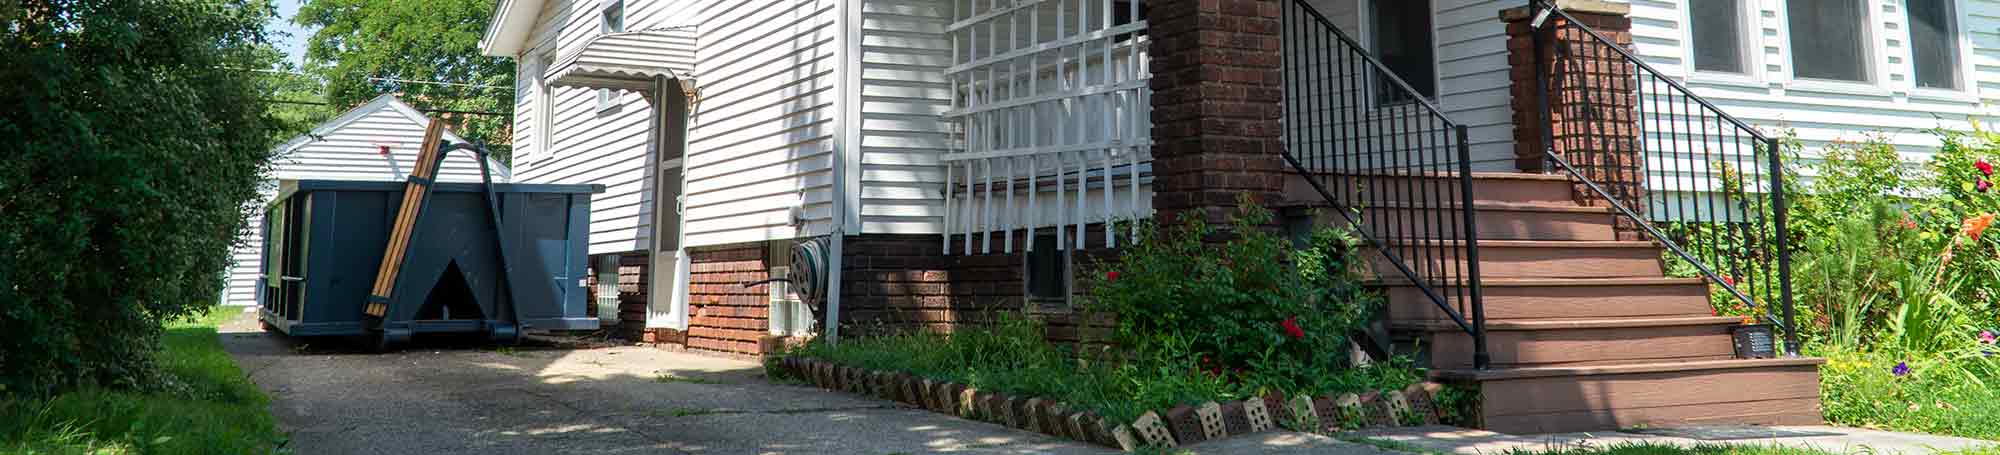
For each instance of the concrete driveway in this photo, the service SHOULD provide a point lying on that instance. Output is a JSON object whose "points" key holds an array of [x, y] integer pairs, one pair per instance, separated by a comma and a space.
{"points": [[464, 400]]}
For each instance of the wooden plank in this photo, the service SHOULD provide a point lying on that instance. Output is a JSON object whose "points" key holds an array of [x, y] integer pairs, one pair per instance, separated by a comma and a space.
{"points": [[1547, 395], [406, 216], [1786, 411]]}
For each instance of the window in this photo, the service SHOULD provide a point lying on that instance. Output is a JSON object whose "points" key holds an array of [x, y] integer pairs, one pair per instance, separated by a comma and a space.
{"points": [[1403, 42], [1047, 271], [1933, 43], [612, 20], [1124, 12], [1717, 29], [544, 108], [1829, 39]]}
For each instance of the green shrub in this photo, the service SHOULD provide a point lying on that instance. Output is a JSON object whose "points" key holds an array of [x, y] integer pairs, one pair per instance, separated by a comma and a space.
{"points": [[1950, 393], [135, 135], [1253, 309]]}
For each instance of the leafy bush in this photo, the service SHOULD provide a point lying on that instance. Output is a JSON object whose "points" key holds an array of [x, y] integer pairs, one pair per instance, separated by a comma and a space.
{"points": [[1950, 393], [1197, 321], [134, 137], [1252, 309]]}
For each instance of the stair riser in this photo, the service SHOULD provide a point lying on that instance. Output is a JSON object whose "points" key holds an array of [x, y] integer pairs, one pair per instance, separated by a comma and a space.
{"points": [[1787, 395], [1494, 224], [1533, 262], [1585, 347], [1407, 189], [1406, 303]]}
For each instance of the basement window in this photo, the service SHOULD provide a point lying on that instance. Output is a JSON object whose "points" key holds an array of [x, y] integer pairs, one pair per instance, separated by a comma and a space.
{"points": [[1047, 274]]}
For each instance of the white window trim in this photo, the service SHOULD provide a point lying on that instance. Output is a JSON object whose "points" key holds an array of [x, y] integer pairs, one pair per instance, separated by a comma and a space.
{"points": [[1872, 31], [544, 107], [1967, 91], [1753, 50], [607, 99]]}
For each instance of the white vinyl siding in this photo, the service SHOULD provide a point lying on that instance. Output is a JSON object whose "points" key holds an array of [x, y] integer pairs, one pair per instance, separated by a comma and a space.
{"points": [[587, 144], [1471, 69], [763, 142], [350, 152], [904, 54], [1820, 112]]}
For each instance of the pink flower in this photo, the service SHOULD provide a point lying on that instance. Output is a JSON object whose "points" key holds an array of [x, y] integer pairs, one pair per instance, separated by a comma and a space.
{"points": [[1909, 223], [1292, 327], [1111, 275], [1987, 337], [1984, 167], [1983, 185]]}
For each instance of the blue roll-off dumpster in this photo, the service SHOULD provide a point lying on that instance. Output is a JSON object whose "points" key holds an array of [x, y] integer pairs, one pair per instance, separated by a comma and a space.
{"points": [[324, 241]]}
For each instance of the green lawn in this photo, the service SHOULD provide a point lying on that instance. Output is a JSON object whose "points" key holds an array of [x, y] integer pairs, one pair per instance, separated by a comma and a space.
{"points": [[208, 406]]}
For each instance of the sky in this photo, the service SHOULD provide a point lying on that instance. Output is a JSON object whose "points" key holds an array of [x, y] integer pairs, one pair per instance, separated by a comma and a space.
{"points": [[295, 44]]}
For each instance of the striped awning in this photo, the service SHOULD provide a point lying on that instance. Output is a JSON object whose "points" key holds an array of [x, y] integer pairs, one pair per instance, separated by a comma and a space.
{"points": [[627, 60]]}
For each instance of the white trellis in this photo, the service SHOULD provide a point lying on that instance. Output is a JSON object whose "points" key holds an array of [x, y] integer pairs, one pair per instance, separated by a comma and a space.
{"points": [[1052, 114]]}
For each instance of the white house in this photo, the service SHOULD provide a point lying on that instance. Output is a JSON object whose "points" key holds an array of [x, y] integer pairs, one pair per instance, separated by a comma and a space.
{"points": [[375, 141], [810, 118]]}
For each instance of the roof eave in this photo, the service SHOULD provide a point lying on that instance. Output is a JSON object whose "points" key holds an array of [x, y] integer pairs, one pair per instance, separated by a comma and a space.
{"points": [[509, 29]]}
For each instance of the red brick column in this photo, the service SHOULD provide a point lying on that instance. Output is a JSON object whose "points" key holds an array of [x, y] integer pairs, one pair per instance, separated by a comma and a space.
{"points": [[1599, 137], [1217, 84]]}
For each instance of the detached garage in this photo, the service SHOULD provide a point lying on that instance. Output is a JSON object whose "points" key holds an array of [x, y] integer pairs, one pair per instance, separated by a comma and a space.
{"points": [[377, 141]]}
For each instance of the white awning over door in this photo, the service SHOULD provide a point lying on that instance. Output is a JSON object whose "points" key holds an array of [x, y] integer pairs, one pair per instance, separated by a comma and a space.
{"points": [[627, 60]]}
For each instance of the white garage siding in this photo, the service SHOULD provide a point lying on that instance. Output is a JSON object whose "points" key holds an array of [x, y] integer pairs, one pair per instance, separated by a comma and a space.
{"points": [[348, 148], [762, 140]]}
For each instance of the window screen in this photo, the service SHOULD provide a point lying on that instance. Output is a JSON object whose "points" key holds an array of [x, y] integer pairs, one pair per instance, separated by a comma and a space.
{"points": [[1717, 27], [1828, 39], [1934, 52], [1403, 42]]}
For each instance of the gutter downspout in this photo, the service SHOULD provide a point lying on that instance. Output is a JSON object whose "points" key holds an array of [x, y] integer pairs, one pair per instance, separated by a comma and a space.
{"points": [[847, 154]]}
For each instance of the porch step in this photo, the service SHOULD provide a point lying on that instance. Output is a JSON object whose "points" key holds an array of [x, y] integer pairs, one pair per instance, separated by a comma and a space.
{"points": [[1561, 298], [1532, 258], [1588, 398], [1486, 186], [1497, 221], [1582, 342]]}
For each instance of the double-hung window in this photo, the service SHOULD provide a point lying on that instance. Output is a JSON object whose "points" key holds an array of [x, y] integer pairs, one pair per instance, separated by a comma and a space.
{"points": [[1933, 43], [1720, 35], [610, 20], [1829, 39]]}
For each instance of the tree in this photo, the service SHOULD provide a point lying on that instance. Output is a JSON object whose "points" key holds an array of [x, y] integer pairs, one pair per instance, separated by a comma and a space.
{"points": [[135, 137], [365, 48]]}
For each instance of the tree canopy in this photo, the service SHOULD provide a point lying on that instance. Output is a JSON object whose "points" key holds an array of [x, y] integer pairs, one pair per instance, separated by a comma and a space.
{"points": [[135, 139], [365, 48]]}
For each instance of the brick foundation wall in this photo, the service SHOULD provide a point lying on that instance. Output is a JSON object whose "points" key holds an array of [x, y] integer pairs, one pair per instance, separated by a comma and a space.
{"points": [[722, 314], [906, 282]]}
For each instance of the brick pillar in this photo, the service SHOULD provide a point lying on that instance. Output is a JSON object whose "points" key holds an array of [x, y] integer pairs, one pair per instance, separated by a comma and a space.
{"points": [[1217, 84], [1592, 104]]}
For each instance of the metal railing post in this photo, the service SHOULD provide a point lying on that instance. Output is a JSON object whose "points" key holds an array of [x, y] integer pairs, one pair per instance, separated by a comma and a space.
{"points": [[1783, 246], [1480, 357]]}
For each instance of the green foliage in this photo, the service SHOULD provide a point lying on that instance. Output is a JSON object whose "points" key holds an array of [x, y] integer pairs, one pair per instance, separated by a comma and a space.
{"points": [[1950, 393], [134, 140], [414, 40], [1225, 306], [208, 407], [1198, 322]]}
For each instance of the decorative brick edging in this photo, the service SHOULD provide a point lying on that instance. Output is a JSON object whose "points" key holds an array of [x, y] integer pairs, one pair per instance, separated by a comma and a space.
{"points": [[1168, 428]]}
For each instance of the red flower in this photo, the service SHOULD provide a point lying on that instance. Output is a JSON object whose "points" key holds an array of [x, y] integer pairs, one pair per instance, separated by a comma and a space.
{"points": [[1983, 185], [1111, 275], [1729, 280], [1909, 223], [1292, 327], [1984, 167]]}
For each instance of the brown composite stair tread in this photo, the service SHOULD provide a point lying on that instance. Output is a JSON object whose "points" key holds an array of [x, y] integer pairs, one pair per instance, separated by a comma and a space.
{"points": [[1530, 243], [1499, 374], [1559, 282], [1576, 324], [1494, 206], [1489, 175]]}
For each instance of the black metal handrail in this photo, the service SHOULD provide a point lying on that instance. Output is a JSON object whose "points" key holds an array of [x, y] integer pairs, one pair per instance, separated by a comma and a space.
{"points": [[1389, 160], [1612, 120]]}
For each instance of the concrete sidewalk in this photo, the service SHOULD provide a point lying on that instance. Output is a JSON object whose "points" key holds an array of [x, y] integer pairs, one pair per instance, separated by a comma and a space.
{"points": [[1839, 440]]}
